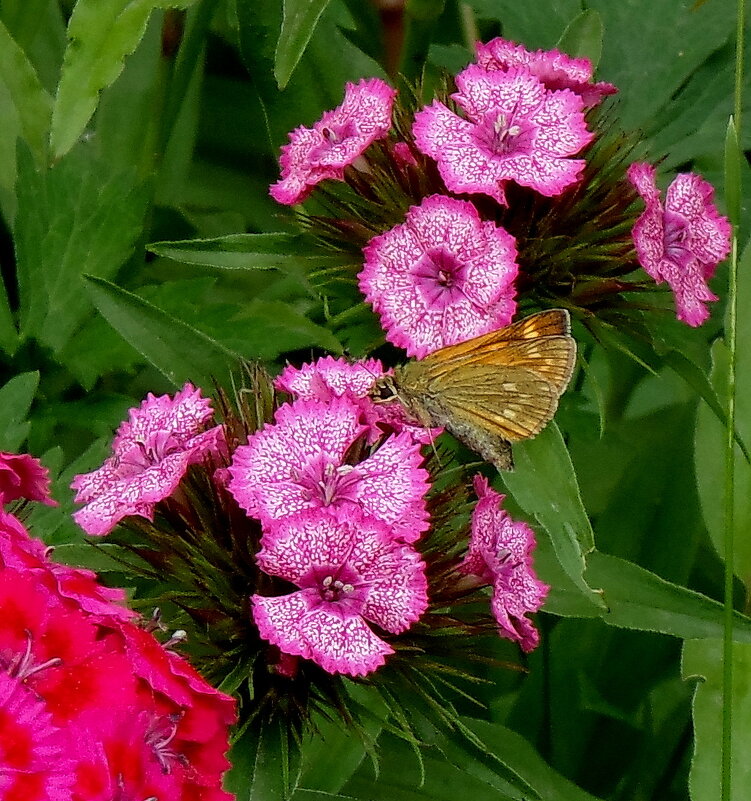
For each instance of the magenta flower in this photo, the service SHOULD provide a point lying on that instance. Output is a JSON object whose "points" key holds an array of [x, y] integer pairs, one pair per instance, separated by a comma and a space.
{"points": [[349, 571], [441, 277], [683, 242], [515, 130], [500, 552], [152, 451], [330, 378], [23, 476], [300, 462], [35, 759], [335, 141], [555, 69]]}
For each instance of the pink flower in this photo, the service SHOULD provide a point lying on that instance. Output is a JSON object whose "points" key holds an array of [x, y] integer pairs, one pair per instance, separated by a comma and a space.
{"points": [[303, 461], [555, 69], [335, 141], [500, 552], [683, 242], [23, 476], [349, 571], [441, 277], [515, 130], [76, 587], [330, 378], [35, 763], [152, 451]]}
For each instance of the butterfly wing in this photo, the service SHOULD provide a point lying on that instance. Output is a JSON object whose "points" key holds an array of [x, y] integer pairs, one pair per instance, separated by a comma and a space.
{"points": [[539, 343]]}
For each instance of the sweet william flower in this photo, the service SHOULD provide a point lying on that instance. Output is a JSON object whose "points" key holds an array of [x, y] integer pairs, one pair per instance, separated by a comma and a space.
{"points": [[23, 476], [441, 277], [500, 553], [681, 242], [301, 462], [350, 572], [555, 69], [152, 451], [329, 378], [515, 129], [337, 140]]}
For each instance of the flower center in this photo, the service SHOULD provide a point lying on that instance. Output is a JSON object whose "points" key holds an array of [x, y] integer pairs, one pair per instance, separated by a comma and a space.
{"points": [[675, 236], [440, 277], [501, 135], [146, 452], [326, 483], [22, 666], [159, 737], [339, 585]]}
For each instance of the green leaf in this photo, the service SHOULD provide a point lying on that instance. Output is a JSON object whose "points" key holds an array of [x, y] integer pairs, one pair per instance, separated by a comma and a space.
{"points": [[79, 217], [32, 103], [178, 351], [702, 661], [635, 599], [298, 23], [101, 33], [249, 252], [15, 401], [544, 484], [732, 173], [583, 37], [102, 557], [534, 24], [8, 332]]}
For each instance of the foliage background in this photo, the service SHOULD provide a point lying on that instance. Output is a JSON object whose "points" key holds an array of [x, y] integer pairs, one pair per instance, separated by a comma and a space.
{"points": [[124, 124]]}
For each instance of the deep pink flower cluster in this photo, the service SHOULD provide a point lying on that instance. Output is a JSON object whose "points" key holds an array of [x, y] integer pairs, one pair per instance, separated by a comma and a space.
{"points": [[92, 707], [340, 492]]}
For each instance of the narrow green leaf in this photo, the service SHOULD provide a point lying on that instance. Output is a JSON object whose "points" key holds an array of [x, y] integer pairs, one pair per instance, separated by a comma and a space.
{"points": [[732, 173], [298, 23], [261, 768], [176, 349], [544, 484], [15, 401], [8, 332], [702, 662], [32, 103], [101, 33], [583, 37], [248, 252], [102, 557]]}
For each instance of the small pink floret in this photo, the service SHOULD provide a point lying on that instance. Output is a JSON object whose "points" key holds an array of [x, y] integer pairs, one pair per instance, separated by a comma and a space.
{"points": [[350, 572], [555, 69], [151, 453], [330, 378], [23, 476], [683, 241], [335, 141], [500, 552], [514, 129], [441, 277]]}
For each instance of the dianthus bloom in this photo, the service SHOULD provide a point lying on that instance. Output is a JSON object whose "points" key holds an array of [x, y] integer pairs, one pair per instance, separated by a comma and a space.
{"points": [[441, 277], [500, 552], [349, 571], [683, 242], [302, 461], [335, 141], [555, 69], [330, 378], [152, 451], [23, 476], [516, 129]]}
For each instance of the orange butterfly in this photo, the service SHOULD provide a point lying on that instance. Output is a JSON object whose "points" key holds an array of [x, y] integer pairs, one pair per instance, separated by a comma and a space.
{"points": [[492, 390]]}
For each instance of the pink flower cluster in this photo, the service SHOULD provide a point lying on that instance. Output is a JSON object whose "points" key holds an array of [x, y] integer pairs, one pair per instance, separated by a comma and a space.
{"points": [[340, 492], [92, 707]]}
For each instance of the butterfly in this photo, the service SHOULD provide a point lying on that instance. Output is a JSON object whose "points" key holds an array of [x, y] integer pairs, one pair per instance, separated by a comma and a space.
{"points": [[492, 390]]}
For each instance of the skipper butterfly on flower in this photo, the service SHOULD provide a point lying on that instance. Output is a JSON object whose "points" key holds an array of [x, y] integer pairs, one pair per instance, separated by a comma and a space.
{"points": [[492, 390]]}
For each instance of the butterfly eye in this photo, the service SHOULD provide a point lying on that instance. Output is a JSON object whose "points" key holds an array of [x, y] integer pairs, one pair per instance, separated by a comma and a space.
{"points": [[383, 390]]}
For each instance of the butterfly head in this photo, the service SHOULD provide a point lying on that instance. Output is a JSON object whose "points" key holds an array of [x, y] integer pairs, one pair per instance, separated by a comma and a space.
{"points": [[384, 390]]}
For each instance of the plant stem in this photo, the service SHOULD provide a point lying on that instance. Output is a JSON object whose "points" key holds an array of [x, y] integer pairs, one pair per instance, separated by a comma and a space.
{"points": [[727, 655]]}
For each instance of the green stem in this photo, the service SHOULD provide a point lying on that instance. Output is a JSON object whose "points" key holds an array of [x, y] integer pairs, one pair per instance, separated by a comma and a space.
{"points": [[727, 651]]}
